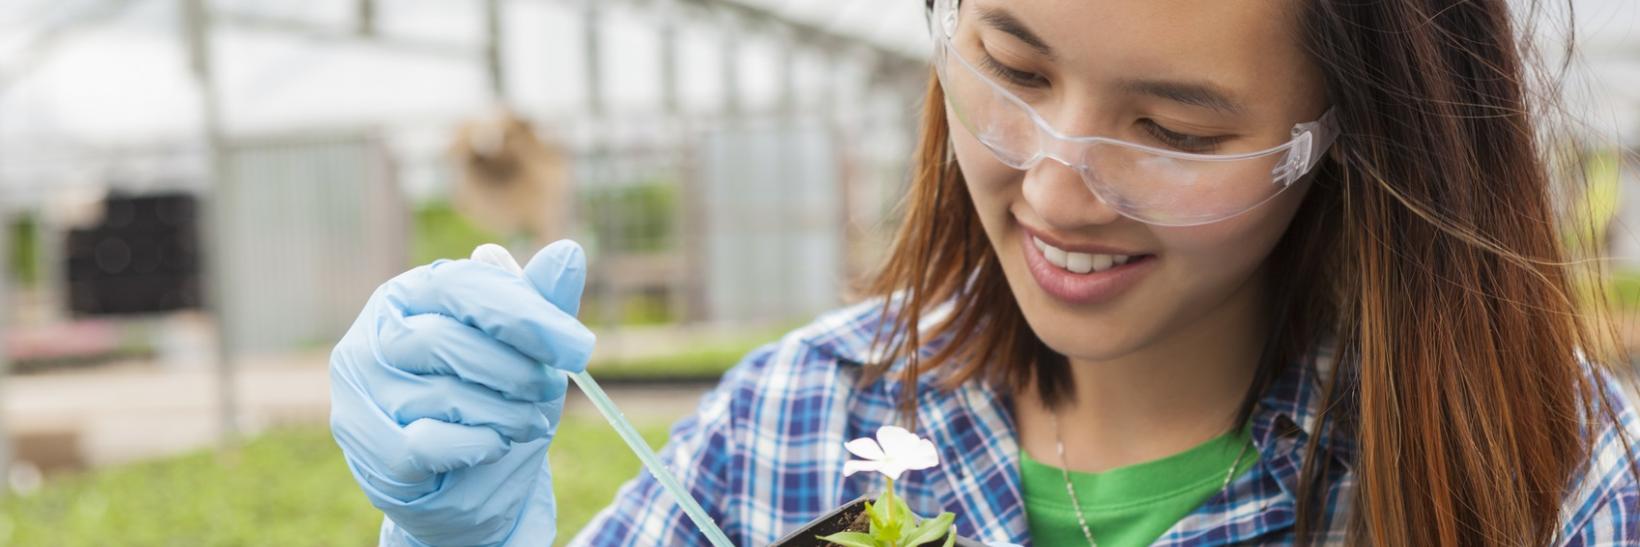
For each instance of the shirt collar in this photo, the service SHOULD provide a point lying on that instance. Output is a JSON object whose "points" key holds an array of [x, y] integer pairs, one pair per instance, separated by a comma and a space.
{"points": [[1294, 396], [850, 334]]}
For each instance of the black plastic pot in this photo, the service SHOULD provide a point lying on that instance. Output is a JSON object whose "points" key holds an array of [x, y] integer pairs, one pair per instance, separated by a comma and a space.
{"points": [[838, 520]]}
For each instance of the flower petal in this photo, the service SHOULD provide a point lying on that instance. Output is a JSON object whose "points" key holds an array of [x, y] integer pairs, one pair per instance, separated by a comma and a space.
{"points": [[864, 447], [923, 456], [896, 441], [855, 466]]}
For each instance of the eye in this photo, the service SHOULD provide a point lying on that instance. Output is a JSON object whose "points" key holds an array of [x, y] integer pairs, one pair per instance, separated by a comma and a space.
{"points": [[1183, 142], [1012, 75]]}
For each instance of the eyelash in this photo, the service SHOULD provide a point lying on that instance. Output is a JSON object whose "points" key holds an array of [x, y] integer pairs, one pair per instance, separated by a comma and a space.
{"points": [[1179, 141], [1013, 75]]}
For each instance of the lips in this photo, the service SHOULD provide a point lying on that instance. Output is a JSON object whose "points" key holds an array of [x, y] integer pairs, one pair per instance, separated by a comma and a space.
{"points": [[1082, 274], [1080, 263]]}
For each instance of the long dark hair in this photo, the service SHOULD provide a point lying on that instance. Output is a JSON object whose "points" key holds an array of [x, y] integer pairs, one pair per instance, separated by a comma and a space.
{"points": [[1430, 250]]}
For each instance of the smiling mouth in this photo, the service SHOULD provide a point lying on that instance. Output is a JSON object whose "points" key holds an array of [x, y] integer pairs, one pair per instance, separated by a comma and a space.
{"points": [[1082, 263]]}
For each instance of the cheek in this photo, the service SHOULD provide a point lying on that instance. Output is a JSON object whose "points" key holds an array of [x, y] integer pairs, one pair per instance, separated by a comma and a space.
{"points": [[991, 184], [1228, 251]]}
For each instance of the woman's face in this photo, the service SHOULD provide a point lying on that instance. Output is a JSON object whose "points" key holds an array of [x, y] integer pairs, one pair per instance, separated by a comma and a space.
{"points": [[1224, 74]]}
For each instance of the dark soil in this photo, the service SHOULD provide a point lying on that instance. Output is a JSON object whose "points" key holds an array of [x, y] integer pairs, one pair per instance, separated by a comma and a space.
{"points": [[851, 518]]}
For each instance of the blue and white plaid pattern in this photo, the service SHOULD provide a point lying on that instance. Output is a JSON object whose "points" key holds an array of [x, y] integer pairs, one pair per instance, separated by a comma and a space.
{"points": [[764, 455]]}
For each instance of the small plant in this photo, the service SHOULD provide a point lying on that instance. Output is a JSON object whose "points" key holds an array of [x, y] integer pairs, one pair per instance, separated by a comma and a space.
{"points": [[892, 523]]}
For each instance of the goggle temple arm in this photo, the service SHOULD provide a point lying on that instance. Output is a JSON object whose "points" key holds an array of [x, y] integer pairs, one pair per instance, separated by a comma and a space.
{"points": [[1310, 141]]}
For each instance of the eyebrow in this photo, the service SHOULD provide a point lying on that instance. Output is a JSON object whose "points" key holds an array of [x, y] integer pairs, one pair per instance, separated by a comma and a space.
{"points": [[1191, 93], [1006, 22]]}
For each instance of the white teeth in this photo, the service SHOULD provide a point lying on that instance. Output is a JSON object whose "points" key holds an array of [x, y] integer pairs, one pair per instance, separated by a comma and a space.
{"points": [[1056, 256], [1102, 262], [1080, 263]]}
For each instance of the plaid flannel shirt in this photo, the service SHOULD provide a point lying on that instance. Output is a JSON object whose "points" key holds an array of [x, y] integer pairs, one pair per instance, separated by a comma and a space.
{"points": [[764, 455]]}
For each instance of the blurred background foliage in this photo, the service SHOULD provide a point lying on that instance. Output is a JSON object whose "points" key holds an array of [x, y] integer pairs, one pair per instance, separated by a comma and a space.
{"points": [[287, 487]]}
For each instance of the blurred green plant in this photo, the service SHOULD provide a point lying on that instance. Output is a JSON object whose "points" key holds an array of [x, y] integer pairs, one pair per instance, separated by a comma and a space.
{"points": [[632, 218], [624, 219], [286, 487], [590, 462], [441, 232], [24, 250], [1587, 223], [707, 360], [631, 309], [1623, 288], [1595, 206]]}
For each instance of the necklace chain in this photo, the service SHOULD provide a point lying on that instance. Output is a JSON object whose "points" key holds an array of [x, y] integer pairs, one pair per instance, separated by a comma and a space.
{"points": [[1064, 471]]}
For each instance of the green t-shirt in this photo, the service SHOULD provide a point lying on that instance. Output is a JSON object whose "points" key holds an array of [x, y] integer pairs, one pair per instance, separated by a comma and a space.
{"points": [[1129, 505]]}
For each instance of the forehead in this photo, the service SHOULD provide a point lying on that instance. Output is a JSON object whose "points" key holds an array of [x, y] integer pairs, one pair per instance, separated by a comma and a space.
{"points": [[1250, 47]]}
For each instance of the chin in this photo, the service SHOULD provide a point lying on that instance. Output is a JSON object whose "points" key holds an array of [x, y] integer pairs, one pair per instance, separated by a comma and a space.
{"points": [[1088, 348], [1084, 335]]}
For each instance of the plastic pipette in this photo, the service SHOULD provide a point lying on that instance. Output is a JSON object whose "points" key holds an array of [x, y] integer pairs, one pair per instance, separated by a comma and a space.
{"points": [[495, 254]]}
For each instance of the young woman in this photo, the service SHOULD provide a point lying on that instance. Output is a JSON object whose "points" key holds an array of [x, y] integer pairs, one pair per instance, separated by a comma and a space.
{"points": [[1173, 272]]}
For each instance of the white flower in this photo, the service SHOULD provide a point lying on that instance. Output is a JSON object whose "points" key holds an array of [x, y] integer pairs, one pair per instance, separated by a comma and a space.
{"points": [[893, 452]]}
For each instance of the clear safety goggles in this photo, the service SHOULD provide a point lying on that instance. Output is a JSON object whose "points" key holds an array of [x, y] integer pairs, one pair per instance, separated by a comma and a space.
{"points": [[1153, 185]]}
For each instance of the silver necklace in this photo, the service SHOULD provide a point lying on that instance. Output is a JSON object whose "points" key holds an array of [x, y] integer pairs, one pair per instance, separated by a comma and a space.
{"points": [[1064, 471]]}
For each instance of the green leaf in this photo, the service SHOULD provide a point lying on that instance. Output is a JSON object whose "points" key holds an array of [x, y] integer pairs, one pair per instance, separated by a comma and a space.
{"points": [[877, 519], [850, 539], [890, 534], [907, 519], [930, 530]]}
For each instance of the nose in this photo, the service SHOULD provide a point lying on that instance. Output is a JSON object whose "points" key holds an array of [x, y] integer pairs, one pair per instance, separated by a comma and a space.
{"points": [[1056, 192]]}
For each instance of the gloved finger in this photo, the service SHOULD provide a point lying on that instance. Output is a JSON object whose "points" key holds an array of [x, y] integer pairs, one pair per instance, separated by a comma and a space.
{"points": [[553, 410], [432, 344], [559, 272], [378, 449], [485, 505], [441, 447], [451, 400], [496, 255], [501, 304]]}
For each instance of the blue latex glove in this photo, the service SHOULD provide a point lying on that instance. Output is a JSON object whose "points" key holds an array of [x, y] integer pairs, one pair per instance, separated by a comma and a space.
{"points": [[447, 390]]}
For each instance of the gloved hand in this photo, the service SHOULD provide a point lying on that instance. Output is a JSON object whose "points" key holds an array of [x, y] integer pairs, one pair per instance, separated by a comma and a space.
{"points": [[447, 390]]}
